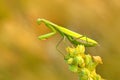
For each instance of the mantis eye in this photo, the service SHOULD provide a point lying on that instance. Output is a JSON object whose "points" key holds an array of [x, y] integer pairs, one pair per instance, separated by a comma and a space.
{"points": [[39, 21]]}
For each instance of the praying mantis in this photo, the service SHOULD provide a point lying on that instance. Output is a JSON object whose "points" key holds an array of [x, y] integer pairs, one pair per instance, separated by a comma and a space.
{"points": [[73, 37]]}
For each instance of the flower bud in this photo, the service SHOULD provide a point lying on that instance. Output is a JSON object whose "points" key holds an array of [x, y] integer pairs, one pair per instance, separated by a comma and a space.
{"points": [[88, 59], [70, 61], [73, 68], [71, 51], [80, 49], [84, 74], [80, 61]]}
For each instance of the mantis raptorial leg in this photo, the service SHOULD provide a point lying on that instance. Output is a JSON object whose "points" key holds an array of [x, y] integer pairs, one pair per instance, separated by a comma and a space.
{"points": [[45, 36]]}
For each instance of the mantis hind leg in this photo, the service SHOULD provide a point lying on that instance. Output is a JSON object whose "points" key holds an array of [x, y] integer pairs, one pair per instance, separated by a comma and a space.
{"points": [[63, 38]]}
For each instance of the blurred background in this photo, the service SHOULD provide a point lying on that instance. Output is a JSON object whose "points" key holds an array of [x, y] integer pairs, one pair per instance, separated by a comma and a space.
{"points": [[24, 57]]}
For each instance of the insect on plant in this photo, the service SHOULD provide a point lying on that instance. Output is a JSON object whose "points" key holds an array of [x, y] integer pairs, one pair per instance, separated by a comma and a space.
{"points": [[78, 61], [73, 37]]}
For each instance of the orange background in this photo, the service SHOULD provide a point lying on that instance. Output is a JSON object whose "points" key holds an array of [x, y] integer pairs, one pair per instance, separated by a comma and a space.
{"points": [[24, 57]]}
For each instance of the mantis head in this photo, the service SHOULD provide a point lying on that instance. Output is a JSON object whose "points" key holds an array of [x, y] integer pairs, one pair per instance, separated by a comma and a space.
{"points": [[39, 20]]}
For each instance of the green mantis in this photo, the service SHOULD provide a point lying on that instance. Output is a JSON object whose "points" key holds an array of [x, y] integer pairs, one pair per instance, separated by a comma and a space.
{"points": [[73, 37]]}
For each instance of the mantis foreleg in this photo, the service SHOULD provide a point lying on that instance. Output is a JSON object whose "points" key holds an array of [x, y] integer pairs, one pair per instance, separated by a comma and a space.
{"points": [[45, 36]]}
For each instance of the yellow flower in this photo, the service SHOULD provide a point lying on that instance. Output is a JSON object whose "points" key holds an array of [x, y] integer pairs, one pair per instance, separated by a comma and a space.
{"points": [[70, 61], [80, 49]]}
